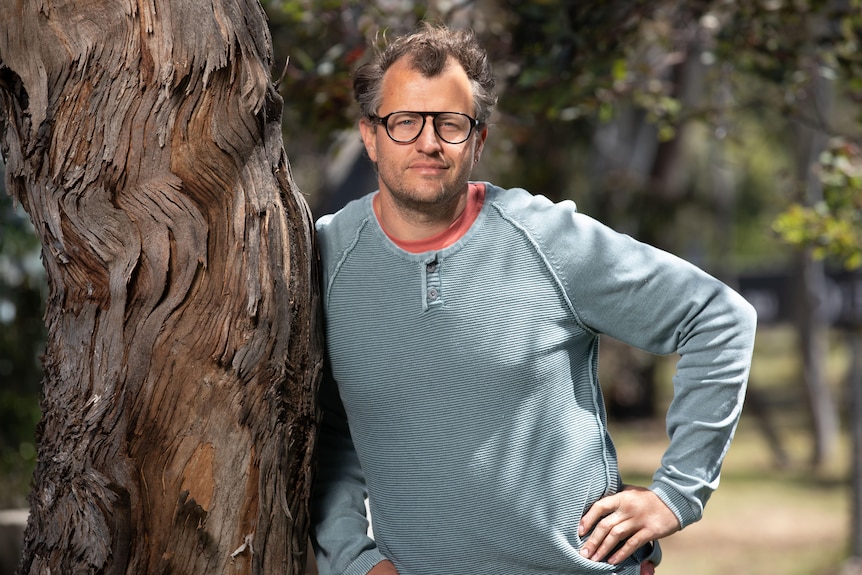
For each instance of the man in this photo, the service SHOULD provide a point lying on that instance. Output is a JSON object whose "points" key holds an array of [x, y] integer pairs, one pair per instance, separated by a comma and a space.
{"points": [[462, 326]]}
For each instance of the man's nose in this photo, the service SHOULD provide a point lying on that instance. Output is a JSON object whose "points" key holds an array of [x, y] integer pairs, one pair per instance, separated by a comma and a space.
{"points": [[428, 139]]}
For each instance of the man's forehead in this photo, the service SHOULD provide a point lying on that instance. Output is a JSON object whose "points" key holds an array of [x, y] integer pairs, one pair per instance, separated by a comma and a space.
{"points": [[406, 80]]}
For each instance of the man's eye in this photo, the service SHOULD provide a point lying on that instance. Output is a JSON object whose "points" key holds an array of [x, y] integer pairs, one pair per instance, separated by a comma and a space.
{"points": [[404, 121]]}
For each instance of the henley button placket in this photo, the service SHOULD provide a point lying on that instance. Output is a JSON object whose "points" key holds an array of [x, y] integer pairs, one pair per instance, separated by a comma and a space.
{"points": [[433, 295]]}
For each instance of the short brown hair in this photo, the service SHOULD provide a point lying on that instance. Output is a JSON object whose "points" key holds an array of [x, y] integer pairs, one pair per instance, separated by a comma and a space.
{"points": [[429, 48]]}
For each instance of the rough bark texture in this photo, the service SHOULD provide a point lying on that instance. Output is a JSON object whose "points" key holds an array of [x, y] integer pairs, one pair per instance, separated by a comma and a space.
{"points": [[144, 140]]}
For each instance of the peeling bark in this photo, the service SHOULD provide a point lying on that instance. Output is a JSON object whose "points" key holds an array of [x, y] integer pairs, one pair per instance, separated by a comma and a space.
{"points": [[144, 140]]}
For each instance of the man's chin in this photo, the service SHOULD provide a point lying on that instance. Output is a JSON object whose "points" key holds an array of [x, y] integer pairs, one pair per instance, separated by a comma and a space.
{"points": [[428, 194]]}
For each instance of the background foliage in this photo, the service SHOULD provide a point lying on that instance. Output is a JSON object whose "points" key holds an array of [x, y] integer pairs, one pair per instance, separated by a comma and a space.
{"points": [[22, 333], [728, 81]]}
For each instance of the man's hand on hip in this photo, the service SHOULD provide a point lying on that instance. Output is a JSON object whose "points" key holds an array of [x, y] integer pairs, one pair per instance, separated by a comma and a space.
{"points": [[635, 516]]}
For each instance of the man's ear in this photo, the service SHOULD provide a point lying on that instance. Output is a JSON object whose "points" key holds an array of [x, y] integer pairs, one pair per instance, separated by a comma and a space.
{"points": [[480, 144], [368, 131]]}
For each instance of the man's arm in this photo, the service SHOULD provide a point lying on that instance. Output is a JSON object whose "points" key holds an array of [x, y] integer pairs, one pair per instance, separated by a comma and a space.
{"points": [[339, 531], [660, 303]]}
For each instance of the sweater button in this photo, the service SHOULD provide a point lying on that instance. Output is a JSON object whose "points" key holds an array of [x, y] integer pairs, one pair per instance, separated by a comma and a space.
{"points": [[432, 294], [431, 267]]}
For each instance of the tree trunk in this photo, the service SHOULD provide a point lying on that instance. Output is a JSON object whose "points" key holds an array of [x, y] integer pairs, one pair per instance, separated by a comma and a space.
{"points": [[854, 383], [144, 140], [810, 323]]}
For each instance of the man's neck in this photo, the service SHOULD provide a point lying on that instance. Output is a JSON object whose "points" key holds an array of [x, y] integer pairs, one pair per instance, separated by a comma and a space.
{"points": [[475, 198], [419, 222]]}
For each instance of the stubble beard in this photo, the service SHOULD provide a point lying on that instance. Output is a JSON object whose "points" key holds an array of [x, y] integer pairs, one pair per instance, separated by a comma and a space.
{"points": [[429, 200]]}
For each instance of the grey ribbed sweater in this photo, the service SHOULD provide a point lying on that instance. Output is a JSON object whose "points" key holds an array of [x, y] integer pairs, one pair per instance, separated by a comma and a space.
{"points": [[468, 377]]}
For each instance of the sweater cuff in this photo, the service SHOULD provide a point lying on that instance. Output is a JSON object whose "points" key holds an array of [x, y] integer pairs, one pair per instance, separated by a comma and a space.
{"points": [[363, 564], [678, 503]]}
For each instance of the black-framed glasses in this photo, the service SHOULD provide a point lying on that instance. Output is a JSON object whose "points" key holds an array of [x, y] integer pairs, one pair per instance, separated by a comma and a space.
{"points": [[404, 127]]}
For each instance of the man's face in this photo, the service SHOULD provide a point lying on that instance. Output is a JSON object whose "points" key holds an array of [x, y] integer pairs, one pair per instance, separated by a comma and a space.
{"points": [[426, 173]]}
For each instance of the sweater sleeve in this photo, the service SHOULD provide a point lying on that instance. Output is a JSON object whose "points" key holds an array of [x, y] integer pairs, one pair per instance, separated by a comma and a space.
{"points": [[339, 521], [339, 529], [662, 304]]}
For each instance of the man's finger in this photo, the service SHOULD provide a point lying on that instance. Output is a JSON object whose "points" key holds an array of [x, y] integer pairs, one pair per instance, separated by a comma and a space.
{"points": [[631, 542], [597, 510], [608, 534]]}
